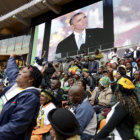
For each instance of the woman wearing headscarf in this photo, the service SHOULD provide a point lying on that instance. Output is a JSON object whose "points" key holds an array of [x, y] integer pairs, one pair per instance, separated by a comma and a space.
{"points": [[20, 102], [102, 95], [120, 119], [43, 124]]}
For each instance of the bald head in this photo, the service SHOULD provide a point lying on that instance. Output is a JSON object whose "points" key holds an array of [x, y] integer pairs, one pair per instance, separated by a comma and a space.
{"points": [[76, 93], [77, 90]]}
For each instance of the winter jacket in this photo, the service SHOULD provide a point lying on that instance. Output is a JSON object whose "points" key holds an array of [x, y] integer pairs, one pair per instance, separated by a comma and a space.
{"points": [[18, 116], [86, 117]]}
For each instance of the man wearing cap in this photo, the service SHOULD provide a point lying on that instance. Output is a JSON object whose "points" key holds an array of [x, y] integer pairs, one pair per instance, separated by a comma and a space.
{"points": [[84, 112], [89, 79]]}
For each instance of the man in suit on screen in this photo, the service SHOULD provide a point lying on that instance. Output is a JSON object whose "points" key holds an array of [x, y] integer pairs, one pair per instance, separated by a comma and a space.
{"points": [[81, 39]]}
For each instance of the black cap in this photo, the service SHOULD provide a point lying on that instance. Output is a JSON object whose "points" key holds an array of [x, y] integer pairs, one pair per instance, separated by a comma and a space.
{"points": [[64, 122]]}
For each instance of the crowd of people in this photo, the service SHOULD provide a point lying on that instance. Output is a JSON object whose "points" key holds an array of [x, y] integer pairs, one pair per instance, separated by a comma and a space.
{"points": [[79, 99]]}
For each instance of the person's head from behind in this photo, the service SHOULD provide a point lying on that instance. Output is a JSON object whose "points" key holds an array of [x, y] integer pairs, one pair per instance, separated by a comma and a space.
{"points": [[137, 75], [63, 123], [46, 96], [29, 76], [76, 94], [55, 84], [125, 94], [78, 22]]}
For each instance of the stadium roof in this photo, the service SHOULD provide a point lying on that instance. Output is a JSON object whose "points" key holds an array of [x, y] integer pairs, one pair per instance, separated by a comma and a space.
{"points": [[16, 15]]}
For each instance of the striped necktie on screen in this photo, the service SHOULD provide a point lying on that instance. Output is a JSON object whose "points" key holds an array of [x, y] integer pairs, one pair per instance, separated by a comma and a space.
{"points": [[80, 40]]}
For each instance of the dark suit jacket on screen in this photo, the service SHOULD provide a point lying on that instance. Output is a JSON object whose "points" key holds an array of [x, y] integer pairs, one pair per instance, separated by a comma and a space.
{"points": [[94, 37], [137, 54]]}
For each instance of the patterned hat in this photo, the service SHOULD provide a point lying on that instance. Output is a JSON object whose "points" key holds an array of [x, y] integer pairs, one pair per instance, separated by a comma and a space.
{"points": [[47, 93], [104, 81], [77, 73], [126, 85], [85, 70]]}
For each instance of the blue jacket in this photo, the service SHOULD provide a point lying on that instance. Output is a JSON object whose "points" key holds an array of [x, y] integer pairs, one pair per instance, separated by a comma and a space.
{"points": [[84, 113], [18, 116]]}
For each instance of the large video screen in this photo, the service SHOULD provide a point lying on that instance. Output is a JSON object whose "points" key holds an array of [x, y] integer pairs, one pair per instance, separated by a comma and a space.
{"points": [[61, 46], [126, 22], [38, 41], [109, 23]]}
